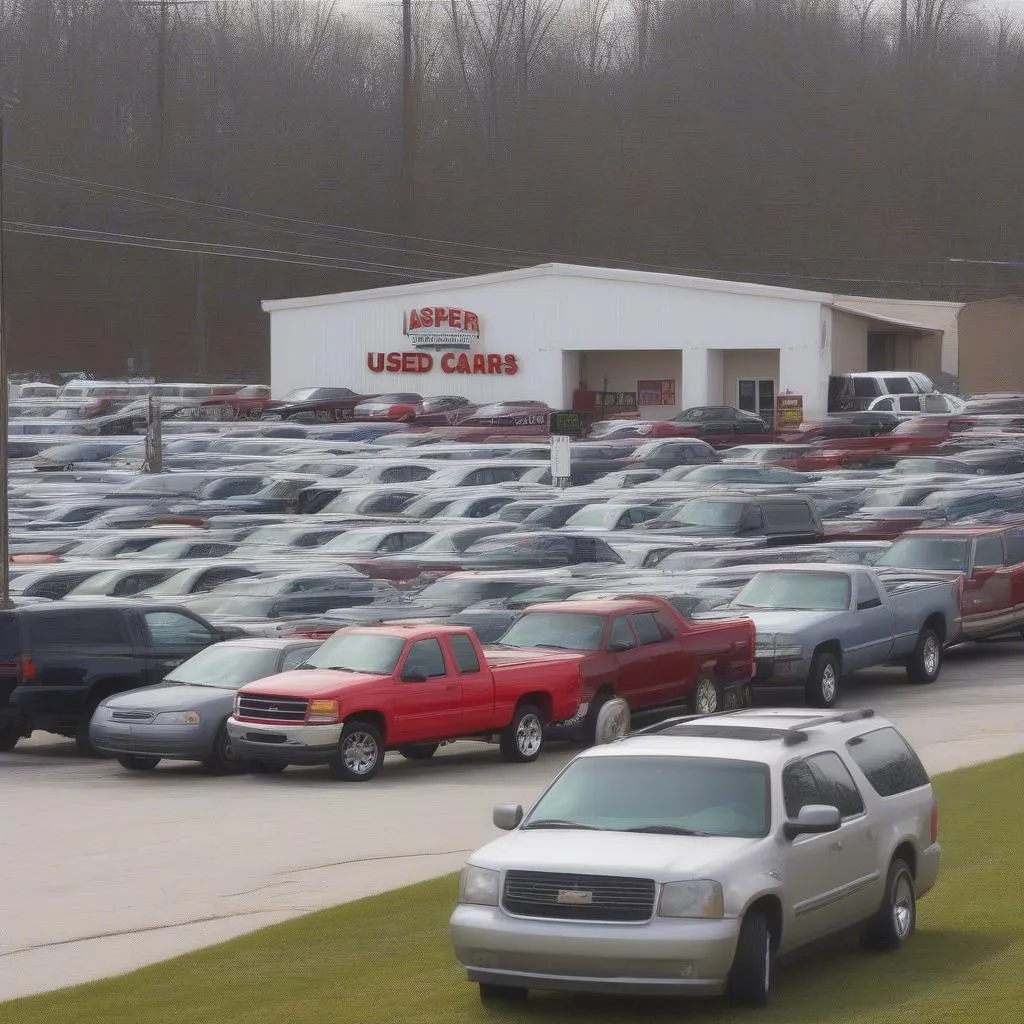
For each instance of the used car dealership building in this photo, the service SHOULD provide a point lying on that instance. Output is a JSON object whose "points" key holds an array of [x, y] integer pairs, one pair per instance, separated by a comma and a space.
{"points": [[549, 332]]}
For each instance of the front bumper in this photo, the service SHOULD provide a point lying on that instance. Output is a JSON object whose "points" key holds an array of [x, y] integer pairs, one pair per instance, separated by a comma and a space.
{"points": [[782, 671], [284, 744], [175, 742], [663, 956]]}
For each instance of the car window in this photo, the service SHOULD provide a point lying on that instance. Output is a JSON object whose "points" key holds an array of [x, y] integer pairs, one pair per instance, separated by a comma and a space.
{"points": [[899, 385], [988, 551], [867, 592], [836, 784], [887, 761], [799, 788], [10, 638], [621, 633], [910, 404], [137, 581], [172, 629], [88, 627], [647, 629], [1014, 540], [466, 659], [295, 657], [789, 513], [425, 656]]}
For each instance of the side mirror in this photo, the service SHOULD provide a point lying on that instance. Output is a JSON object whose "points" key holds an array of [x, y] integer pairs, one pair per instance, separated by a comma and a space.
{"points": [[814, 819], [507, 816], [414, 675]]}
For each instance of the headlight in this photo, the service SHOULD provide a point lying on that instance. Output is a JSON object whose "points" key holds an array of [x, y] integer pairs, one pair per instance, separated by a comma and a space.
{"points": [[177, 718], [479, 885], [322, 711], [701, 898], [765, 641]]}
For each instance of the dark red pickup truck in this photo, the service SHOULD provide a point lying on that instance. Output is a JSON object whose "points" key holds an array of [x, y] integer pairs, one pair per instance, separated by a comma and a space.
{"points": [[642, 650], [407, 688]]}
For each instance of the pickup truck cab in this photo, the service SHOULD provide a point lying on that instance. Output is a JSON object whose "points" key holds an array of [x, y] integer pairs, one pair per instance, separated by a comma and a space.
{"points": [[642, 650], [989, 558], [817, 623], [402, 687]]}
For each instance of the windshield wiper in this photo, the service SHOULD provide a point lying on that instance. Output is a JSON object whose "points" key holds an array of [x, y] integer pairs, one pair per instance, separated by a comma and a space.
{"points": [[560, 823], [665, 830]]}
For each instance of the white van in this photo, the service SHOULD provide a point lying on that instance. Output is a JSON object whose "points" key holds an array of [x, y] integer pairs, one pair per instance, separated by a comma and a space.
{"points": [[852, 392]]}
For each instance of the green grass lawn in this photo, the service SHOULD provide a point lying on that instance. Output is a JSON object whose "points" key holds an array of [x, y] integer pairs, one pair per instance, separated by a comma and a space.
{"points": [[387, 959]]}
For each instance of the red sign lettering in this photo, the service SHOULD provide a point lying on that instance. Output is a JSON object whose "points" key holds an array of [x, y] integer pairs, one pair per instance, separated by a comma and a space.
{"points": [[491, 364], [461, 320]]}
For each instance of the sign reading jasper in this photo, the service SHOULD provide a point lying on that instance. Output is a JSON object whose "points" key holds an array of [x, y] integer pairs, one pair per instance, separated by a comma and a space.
{"points": [[442, 327]]}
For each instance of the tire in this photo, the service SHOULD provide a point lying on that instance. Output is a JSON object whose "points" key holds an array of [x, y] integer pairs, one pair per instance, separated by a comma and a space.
{"points": [[83, 744], [705, 695], [222, 760], [753, 967], [491, 993], [134, 763], [822, 687], [419, 752], [896, 919], [522, 739], [265, 767], [360, 752], [926, 662], [10, 733]]}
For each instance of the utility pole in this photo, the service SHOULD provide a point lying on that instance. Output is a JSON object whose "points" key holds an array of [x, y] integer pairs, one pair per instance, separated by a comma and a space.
{"points": [[407, 196], [5, 547]]}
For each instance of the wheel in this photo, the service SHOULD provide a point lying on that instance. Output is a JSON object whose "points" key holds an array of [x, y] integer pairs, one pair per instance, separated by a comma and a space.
{"points": [[822, 688], [419, 752], [896, 919], [265, 767], [607, 719], [491, 993], [360, 752], [10, 733], [926, 662], [753, 967], [523, 738], [705, 697], [134, 763], [83, 744], [222, 760]]}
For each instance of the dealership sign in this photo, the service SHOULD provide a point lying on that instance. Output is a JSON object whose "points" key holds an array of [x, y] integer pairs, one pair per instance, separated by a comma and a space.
{"points": [[451, 362], [440, 327]]}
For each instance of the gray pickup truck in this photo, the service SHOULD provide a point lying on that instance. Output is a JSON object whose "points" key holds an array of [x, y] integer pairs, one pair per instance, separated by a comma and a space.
{"points": [[818, 623]]}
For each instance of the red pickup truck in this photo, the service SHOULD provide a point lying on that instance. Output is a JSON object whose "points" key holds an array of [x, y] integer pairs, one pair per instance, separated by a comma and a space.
{"points": [[989, 558], [402, 687], [642, 650]]}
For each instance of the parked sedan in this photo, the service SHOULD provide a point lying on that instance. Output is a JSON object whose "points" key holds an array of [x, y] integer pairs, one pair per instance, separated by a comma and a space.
{"points": [[182, 718]]}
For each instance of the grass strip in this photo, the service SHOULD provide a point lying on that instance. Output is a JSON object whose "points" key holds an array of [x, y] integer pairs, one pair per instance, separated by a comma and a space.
{"points": [[387, 959]]}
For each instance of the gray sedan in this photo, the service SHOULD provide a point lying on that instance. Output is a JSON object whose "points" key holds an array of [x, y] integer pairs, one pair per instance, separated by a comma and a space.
{"points": [[182, 718]]}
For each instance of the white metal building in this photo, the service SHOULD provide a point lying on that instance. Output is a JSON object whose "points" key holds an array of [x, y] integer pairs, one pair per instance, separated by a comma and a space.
{"points": [[542, 332]]}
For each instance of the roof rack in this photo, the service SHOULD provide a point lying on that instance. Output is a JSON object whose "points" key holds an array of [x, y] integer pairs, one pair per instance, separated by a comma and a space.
{"points": [[798, 733], [668, 723]]}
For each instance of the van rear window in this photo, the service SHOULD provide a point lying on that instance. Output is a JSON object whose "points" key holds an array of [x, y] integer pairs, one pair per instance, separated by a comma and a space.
{"points": [[887, 762], [86, 628]]}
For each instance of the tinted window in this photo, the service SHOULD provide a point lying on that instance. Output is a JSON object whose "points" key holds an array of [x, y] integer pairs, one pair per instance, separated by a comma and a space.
{"points": [[621, 634], [788, 513], [835, 783], [295, 657], [465, 654], [988, 551], [899, 385], [10, 638], [1014, 540], [647, 628], [172, 629], [887, 761], [867, 591], [425, 656], [799, 788], [85, 628]]}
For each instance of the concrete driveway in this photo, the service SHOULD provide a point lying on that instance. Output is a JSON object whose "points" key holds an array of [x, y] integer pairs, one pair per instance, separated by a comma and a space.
{"points": [[107, 870]]}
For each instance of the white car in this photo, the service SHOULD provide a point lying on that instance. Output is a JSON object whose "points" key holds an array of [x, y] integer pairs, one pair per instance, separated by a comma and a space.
{"points": [[918, 405]]}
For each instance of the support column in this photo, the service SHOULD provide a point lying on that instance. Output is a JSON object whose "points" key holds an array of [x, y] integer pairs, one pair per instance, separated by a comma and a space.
{"points": [[702, 377]]}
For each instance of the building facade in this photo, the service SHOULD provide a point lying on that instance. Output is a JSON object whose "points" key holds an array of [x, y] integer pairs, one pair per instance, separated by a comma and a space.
{"points": [[544, 332]]}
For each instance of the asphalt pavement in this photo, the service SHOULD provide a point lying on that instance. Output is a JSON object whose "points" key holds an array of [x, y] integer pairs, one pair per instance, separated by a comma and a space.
{"points": [[107, 870]]}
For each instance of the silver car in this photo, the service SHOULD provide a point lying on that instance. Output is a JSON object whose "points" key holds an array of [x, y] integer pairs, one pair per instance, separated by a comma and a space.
{"points": [[684, 859], [183, 718]]}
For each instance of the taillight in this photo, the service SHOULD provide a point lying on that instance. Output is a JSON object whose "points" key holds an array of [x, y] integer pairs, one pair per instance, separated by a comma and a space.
{"points": [[26, 670], [935, 820]]}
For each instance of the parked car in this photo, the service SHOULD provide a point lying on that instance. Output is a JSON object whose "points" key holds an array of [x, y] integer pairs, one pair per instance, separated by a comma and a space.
{"points": [[780, 519], [184, 717], [850, 392], [400, 406], [918, 404], [685, 859], [817, 624], [415, 687], [721, 419]]}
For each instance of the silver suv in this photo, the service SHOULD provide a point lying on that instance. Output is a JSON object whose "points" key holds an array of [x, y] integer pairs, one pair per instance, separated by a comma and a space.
{"points": [[686, 857]]}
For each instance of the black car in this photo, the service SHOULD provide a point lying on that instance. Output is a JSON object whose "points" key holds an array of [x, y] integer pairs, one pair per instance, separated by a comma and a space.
{"points": [[779, 519], [669, 452], [57, 662], [721, 419], [320, 405]]}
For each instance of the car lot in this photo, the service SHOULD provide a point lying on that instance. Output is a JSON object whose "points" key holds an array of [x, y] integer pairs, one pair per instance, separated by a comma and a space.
{"points": [[108, 870]]}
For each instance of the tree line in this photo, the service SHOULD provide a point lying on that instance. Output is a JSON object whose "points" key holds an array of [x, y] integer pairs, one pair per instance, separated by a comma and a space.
{"points": [[167, 165]]}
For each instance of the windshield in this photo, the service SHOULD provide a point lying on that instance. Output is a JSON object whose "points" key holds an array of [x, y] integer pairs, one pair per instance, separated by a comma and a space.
{"points": [[707, 796], [890, 497], [564, 631], [300, 394], [179, 583], [703, 512], [233, 606], [359, 651], [796, 591], [943, 553], [592, 515], [453, 592], [354, 541], [445, 542], [225, 667]]}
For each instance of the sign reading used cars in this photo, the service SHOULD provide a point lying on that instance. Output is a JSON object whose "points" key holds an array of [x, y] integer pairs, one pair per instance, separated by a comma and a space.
{"points": [[450, 362]]}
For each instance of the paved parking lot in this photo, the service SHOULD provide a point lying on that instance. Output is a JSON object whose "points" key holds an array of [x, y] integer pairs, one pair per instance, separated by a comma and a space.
{"points": [[107, 870]]}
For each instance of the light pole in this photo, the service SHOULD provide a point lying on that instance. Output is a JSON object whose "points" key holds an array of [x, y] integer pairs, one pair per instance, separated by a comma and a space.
{"points": [[5, 557]]}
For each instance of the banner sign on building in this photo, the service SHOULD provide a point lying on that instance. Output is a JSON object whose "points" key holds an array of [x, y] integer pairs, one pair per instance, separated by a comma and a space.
{"points": [[440, 327], [656, 392]]}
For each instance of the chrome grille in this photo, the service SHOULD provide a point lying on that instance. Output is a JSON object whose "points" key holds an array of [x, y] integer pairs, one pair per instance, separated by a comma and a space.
{"points": [[273, 709], [132, 716], [578, 897]]}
